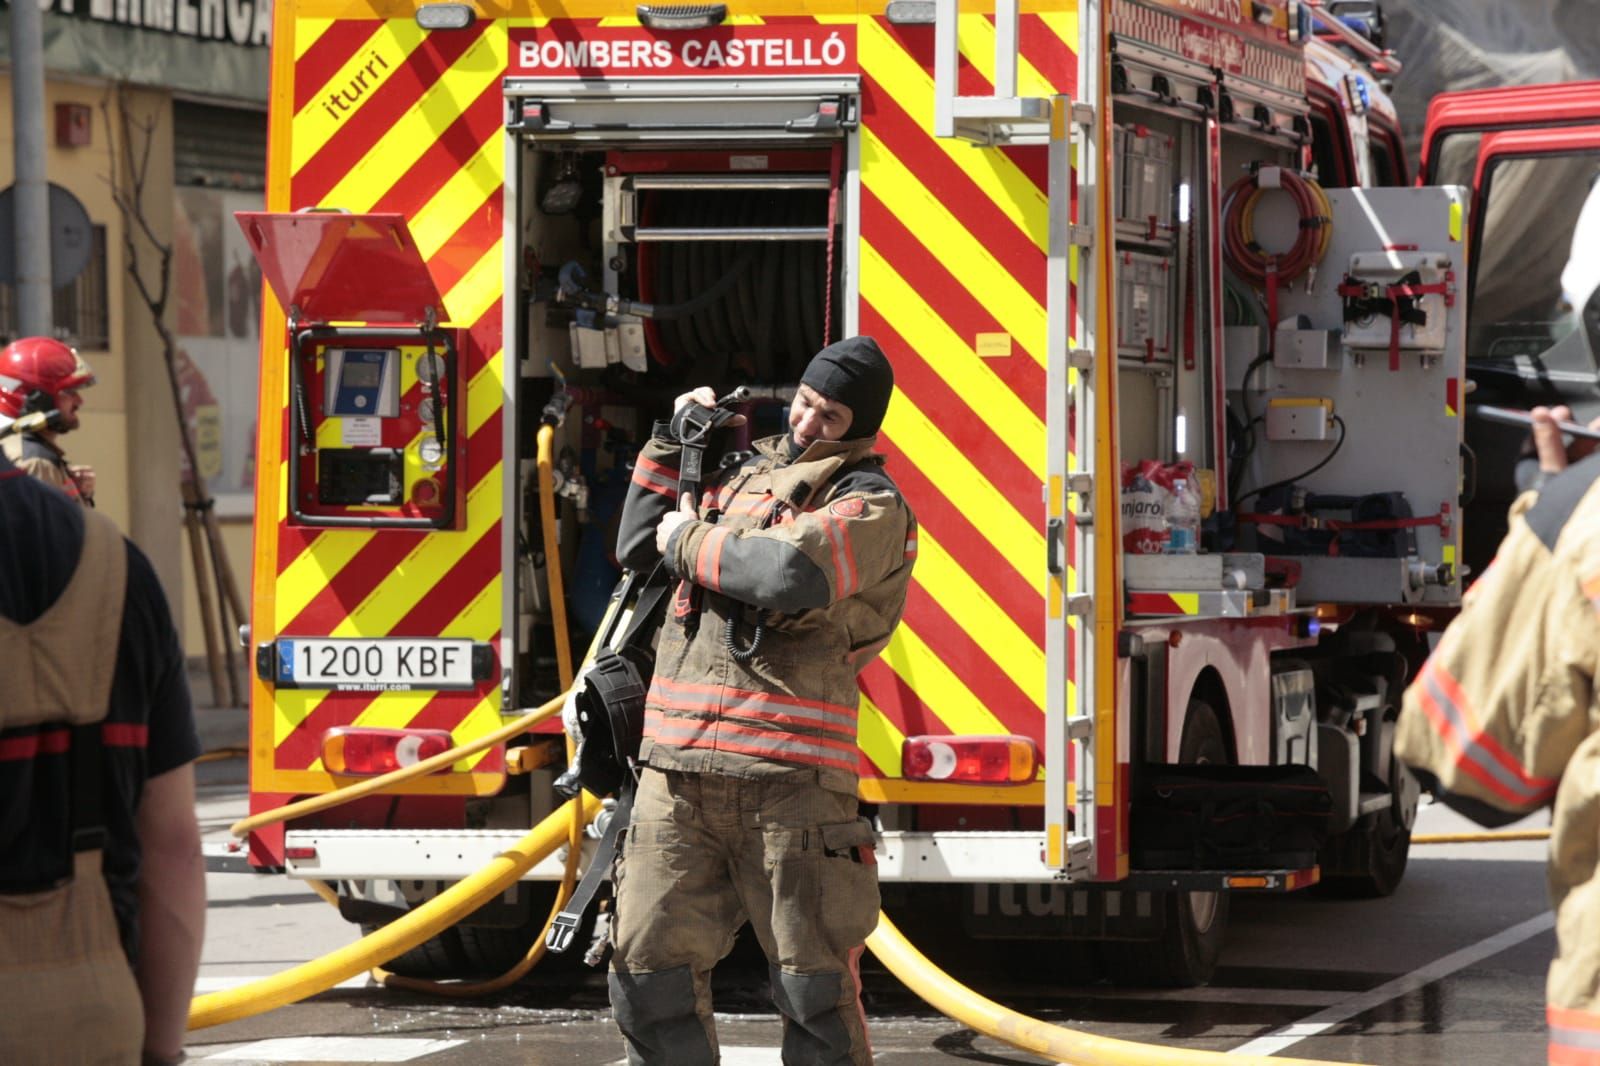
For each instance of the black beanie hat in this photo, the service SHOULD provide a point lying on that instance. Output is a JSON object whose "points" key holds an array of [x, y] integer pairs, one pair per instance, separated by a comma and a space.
{"points": [[856, 373]]}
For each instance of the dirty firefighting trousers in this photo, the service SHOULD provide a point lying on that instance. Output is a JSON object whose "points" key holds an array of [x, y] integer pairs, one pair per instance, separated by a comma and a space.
{"points": [[1573, 990], [705, 852], [69, 996]]}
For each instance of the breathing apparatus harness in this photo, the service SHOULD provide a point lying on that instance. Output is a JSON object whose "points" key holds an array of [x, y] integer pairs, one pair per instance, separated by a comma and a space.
{"points": [[609, 698], [692, 426]]}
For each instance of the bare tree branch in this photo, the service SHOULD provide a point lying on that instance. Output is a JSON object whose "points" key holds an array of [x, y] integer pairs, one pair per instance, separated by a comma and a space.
{"points": [[132, 141]]}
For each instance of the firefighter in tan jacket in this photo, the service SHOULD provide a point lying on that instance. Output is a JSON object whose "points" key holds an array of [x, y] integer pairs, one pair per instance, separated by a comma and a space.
{"points": [[1506, 713], [792, 574]]}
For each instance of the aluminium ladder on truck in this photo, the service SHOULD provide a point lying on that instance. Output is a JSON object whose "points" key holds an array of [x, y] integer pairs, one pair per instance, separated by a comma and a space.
{"points": [[1080, 618]]}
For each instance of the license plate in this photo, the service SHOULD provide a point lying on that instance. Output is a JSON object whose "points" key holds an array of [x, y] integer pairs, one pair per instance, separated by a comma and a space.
{"points": [[383, 665]]}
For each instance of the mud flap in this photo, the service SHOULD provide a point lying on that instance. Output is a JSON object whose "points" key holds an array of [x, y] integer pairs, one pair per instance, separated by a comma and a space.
{"points": [[1220, 817]]}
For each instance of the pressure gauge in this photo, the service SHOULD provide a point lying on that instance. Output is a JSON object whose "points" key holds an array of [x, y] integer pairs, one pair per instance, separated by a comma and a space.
{"points": [[429, 367], [426, 411], [430, 451]]}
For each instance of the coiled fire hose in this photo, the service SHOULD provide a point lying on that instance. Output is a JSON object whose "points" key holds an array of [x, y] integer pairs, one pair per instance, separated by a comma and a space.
{"points": [[1266, 270]]}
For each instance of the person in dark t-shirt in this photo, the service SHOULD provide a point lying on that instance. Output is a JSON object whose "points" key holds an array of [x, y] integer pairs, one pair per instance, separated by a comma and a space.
{"points": [[135, 814]]}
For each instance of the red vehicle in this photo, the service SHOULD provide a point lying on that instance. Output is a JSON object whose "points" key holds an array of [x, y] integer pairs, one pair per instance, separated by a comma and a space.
{"points": [[1530, 154]]}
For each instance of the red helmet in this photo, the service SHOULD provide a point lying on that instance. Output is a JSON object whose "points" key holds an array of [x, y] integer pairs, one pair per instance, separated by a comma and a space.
{"points": [[34, 370]]}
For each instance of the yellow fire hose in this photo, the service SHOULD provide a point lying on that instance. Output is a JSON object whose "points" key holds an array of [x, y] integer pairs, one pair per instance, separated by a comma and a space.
{"points": [[552, 554], [400, 935], [955, 1000], [569, 872], [1502, 837]]}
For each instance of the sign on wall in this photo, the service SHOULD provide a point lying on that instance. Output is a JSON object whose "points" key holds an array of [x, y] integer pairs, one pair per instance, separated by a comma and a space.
{"points": [[242, 22]]}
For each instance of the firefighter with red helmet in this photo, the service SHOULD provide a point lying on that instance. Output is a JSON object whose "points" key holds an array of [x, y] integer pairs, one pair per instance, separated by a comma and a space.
{"points": [[40, 383]]}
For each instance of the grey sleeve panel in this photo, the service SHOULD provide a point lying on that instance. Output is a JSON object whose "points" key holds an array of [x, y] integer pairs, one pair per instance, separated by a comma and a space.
{"points": [[651, 494], [772, 574]]}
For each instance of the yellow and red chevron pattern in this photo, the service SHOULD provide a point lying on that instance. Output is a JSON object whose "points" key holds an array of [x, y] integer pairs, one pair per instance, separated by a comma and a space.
{"points": [[372, 113], [376, 115], [952, 285]]}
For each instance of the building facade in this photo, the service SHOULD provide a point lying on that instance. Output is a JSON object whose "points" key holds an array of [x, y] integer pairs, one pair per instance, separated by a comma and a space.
{"points": [[160, 104]]}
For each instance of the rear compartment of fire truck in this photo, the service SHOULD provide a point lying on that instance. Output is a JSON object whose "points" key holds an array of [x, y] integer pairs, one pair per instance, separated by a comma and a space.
{"points": [[664, 242]]}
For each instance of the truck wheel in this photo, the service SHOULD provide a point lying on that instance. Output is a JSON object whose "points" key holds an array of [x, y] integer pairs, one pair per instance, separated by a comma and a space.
{"points": [[1368, 860], [463, 952], [1196, 922]]}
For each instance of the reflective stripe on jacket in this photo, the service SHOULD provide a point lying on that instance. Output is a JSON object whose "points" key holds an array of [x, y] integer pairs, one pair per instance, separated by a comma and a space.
{"points": [[1574, 1037], [1508, 694], [818, 552]]}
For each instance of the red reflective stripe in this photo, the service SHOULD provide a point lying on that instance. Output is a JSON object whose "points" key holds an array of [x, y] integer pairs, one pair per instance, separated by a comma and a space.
{"points": [[1466, 740], [125, 735], [1453, 691], [646, 483], [664, 687], [849, 555], [49, 742], [841, 566], [1561, 1055], [793, 721], [4, 475], [670, 473], [726, 736], [1572, 1018], [708, 561]]}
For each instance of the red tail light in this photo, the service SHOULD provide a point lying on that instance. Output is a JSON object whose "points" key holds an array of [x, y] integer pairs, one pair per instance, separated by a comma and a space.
{"points": [[1004, 760], [356, 750]]}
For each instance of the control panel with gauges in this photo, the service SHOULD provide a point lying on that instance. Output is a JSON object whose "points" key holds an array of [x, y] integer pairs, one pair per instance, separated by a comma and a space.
{"points": [[373, 430]]}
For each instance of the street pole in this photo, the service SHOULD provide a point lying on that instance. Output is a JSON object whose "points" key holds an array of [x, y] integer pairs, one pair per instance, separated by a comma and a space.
{"points": [[31, 194]]}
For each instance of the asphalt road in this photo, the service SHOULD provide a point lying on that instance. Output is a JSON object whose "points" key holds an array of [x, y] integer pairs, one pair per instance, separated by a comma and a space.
{"points": [[1449, 970]]}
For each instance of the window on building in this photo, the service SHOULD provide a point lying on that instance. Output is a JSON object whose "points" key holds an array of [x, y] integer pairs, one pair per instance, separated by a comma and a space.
{"points": [[80, 310]]}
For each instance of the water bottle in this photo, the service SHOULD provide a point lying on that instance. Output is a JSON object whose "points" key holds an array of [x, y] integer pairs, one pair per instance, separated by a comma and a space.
{"points": [[1183, 520]]}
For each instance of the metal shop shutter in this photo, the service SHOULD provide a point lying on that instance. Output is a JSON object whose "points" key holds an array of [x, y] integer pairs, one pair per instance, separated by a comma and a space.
{"points": [[219, 147]]}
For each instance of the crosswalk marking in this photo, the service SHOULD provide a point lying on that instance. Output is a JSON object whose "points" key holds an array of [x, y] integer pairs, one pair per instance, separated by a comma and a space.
{"points": [[334, 1049]]}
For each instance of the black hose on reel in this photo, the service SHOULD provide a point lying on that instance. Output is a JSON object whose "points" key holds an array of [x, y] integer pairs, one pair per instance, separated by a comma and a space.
{"points": [[770, 320]]}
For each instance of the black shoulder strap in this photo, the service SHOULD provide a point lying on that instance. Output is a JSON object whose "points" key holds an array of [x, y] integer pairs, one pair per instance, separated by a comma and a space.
{"points": [[565, 926]]}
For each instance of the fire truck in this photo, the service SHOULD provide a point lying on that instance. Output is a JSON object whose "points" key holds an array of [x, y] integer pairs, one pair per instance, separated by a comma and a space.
{"points": [[1108, 246]]}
